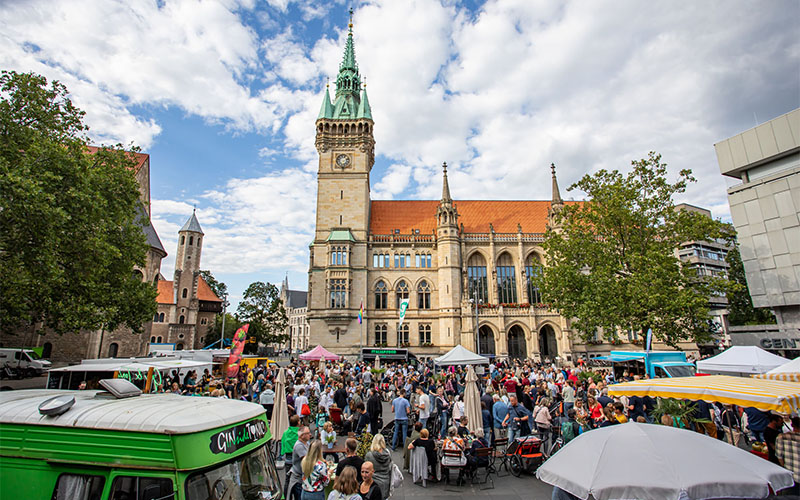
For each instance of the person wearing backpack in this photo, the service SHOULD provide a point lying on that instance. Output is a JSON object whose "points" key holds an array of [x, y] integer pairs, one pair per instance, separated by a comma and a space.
{"points": [[570, 428]]}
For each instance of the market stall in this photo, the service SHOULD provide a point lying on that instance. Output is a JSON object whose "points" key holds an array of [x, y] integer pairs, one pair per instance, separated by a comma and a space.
{"points": [[741, 361]]}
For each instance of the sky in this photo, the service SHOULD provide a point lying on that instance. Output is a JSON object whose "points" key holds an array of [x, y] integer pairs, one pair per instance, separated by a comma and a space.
{"points": [[223, 95]]}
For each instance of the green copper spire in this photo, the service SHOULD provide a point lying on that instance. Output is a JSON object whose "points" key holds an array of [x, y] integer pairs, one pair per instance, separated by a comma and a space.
{"points": [[348, 82], [326, 111], [364, 110]]}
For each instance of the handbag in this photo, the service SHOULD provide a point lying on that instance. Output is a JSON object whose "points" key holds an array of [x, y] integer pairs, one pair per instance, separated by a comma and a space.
{"points": [[396, 479], [305, 410]]}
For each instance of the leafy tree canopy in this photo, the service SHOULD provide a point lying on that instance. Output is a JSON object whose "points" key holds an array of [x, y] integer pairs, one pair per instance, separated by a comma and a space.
{"points": [[263, 309], [612, 260], [740, 305], [69, 235]]}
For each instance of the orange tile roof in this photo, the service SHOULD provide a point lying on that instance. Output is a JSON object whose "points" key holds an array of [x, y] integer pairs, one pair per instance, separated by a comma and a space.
{"points": [[139, 157], [166, 294], [204, 292], [407, 215]]}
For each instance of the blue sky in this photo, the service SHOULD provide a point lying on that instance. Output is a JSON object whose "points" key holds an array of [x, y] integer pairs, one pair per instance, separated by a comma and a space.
{"points": [[223, 95]]}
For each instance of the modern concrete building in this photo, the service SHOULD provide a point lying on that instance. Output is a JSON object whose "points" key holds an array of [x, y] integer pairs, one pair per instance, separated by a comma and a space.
{"points": [[765, 209]]}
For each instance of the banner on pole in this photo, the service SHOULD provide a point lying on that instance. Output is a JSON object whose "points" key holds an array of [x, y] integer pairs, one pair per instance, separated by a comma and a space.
{"points": [[403, 307]]}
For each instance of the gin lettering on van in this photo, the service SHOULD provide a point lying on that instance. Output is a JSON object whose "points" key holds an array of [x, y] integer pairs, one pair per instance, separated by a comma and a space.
{"points": [[238, 436]]}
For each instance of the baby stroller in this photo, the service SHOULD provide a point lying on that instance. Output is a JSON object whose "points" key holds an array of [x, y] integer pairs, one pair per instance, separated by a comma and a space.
{"points": [[525, 454]]}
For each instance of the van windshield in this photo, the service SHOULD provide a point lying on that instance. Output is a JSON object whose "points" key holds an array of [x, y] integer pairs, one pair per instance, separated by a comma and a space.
{"points": [[680, 370], [248, 477]]}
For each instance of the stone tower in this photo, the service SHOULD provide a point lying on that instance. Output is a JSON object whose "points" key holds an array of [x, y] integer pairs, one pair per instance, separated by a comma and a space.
{"points": [[337, 274], [187, 272], [556, 203], [449, 266]]}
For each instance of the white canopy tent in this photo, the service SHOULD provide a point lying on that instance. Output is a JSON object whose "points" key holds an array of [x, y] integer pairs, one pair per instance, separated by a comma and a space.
{"points": [[789, 372], [460, 355], [742, 361]]}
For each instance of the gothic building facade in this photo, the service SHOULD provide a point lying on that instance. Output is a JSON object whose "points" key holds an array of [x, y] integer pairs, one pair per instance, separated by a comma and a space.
{"points": [[466, 266]]}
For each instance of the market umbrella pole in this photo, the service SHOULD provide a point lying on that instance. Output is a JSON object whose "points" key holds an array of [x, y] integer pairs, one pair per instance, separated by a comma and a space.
{"points": [[472, 402], [280, 411]]}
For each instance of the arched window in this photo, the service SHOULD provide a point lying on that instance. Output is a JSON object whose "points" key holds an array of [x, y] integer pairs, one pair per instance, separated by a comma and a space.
{"points": [[113, 348], [137, 275], [181, 320], [486, 340], [153, 340], [506, 280], [402, 334], [533, 270], [161, 317], [155, 318], [476, 275], [402, 292], [191, 240], [198, 240], [185, 292], [424, 295], [47, 350], [183, 239], [338, 294], [424, 334], [158, 340], [381, 295], [179, 347], [380, 335], [339, 256]]}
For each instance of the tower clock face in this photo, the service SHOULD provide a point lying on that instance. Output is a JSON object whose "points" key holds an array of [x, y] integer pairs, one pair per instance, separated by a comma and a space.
{"points": [[343, 161]]}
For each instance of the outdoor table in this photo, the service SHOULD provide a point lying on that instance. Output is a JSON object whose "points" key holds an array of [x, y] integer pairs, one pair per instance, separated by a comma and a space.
{"points": [[338, 446]]}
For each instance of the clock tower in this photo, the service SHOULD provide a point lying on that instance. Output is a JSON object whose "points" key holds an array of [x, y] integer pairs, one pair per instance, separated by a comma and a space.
{"points": [[337, 281]]}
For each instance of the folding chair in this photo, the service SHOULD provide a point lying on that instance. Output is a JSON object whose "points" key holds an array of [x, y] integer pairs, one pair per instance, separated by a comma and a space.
{"points": [[336, 418], [484, 453], [499, 451], [454, 455]]}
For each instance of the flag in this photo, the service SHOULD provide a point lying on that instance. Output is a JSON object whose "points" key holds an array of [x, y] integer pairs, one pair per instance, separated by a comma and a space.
{"points": [[361, 312], [237, 346], [649, 341], [403, 307]]}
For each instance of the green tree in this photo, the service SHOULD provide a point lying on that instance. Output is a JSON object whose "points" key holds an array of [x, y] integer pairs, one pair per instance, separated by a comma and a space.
{"points": [[612, 263], [232, 324], [263, 309], [69, 235], [740, 304], [219, 288]]}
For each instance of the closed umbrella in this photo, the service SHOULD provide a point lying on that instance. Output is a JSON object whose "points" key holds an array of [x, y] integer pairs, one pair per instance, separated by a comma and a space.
{"points": [[280, 411], [657, 462], [472, 402], [767, 395], [377, 362]]}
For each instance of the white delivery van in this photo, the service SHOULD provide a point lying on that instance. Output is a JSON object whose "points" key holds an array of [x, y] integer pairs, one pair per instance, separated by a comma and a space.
{"points": [[24, 361]]}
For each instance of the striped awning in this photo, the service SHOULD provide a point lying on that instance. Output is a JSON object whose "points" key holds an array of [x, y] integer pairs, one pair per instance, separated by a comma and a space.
{"points": [[768, 395], [785, 376]]}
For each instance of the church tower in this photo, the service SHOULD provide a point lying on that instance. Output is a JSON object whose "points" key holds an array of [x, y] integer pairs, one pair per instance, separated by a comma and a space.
{"points": [[449, 266], [337, 280], [187, 272]]}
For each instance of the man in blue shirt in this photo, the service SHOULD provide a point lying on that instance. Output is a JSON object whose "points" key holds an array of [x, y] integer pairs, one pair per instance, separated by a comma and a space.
{"points": [[400, 407], [517, 414], [499, 412]]}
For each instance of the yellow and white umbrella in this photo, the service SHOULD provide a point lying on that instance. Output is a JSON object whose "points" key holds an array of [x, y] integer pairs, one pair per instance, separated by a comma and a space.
{"points": [[789, 372], [768, 395]]}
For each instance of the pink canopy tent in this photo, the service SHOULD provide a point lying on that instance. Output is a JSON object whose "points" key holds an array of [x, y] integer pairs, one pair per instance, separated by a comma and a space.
{"points": [[319, 353]]}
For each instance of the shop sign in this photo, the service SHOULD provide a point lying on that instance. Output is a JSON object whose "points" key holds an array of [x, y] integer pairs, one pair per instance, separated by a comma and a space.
{"points": [[779, 343], [237, 437]]}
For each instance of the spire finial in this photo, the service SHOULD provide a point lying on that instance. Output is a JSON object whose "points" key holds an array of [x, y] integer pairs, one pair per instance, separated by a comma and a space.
{"points": [[445, 184], [556, 193], [327, 82], [350, 24]]}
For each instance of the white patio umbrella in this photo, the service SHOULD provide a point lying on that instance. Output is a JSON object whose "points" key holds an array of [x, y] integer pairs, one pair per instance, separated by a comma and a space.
{"points": [[280, 411], [472, 402], [656, 462]]}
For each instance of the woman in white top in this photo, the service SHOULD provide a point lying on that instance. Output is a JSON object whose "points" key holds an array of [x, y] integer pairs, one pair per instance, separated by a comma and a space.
{"points": [[458, 409]]}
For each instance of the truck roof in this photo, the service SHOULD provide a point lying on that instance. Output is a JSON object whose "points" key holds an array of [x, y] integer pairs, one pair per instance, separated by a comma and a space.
{"points": [[155, 413]]}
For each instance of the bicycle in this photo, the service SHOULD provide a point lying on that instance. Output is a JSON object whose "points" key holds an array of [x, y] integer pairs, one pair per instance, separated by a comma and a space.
{"points": [[557, 440]]}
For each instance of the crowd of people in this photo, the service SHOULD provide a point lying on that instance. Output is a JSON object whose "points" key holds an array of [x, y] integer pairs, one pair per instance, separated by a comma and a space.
{"points": [[517, 398]]}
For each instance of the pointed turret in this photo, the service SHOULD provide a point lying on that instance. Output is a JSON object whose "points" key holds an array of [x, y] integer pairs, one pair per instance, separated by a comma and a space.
{"points": [[445, 186], [364, 110], [192, 224], [347, 100], [326, 110], [556, 193]]}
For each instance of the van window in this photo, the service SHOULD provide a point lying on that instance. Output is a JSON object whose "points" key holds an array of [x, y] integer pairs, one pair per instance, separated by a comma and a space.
{"points": [[78, 487], [141, 488]]}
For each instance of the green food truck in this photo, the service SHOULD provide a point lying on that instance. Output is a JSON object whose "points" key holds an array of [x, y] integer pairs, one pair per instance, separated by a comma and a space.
{"points": [[121, 445]]}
